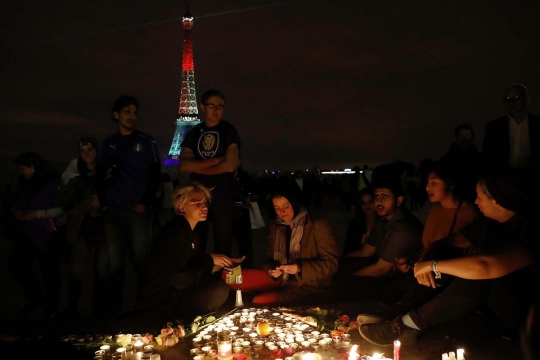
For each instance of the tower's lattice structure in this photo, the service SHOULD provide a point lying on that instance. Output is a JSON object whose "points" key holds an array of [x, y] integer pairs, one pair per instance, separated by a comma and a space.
{"points": [[187, 112]]}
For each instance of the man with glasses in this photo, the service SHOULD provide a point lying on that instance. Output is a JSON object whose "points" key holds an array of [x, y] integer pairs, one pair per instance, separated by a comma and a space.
{"points": [[396, 233], [210, 153], [508, 140]]}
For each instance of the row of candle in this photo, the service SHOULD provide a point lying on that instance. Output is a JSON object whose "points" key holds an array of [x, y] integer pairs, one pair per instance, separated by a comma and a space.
{"points": [[128, 352]]}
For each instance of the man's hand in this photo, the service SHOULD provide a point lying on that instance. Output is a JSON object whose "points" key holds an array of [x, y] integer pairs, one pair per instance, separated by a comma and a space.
{"points": [[423, 273], [139, 208]]}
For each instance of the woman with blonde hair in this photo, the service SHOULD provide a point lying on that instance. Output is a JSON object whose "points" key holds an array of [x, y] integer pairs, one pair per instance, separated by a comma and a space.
{"points": [[180, 279]]}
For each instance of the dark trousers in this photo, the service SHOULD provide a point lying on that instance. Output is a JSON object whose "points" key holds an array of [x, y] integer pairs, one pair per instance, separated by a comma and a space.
{"points": [[456, 300], [220, 214], [21, 264], [127, 233]]}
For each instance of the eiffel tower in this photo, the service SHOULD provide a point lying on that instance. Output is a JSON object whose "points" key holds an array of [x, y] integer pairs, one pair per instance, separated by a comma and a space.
{"points": [[187, 112]]}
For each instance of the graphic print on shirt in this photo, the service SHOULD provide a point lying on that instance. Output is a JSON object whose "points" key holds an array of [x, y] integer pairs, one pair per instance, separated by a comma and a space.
{"points": [[208, 144], [138, 147]]}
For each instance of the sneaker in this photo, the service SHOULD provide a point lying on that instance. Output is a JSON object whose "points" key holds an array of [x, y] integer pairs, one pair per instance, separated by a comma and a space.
{"points": [[368, 319], [384, 333]]}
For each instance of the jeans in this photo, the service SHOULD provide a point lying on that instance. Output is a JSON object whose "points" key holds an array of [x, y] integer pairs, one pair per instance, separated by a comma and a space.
{"points": [[458, 299], [127, 233]]}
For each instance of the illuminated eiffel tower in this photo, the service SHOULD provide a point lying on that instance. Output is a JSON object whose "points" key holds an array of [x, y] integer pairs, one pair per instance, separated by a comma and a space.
{"points": [[187, 112]]}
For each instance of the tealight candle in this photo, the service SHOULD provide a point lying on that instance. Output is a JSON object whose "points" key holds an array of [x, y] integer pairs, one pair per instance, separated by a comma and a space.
{"points": [[138, 346], [315, 334], [106, 348]]}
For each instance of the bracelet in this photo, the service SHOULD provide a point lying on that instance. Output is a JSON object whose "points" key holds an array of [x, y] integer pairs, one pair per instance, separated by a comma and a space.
{"points": [[434, 268]]}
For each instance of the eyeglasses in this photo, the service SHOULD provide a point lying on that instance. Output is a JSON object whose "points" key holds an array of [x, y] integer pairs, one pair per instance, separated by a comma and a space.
{"points": [[199, 202], [214, 106], [512, 98], [382, 197]]}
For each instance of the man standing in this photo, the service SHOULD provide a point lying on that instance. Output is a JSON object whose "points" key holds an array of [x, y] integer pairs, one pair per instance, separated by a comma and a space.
{"points": [[210, 153], [396, 233], [509, 140], [128, 175]]}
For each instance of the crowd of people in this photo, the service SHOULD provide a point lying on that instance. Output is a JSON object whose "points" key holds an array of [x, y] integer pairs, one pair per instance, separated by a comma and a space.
{"points": [[476, 248]]}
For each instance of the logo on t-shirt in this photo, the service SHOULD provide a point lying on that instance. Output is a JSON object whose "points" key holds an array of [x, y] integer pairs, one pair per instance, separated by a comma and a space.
{"points": [[138, 147], [208, 144]]}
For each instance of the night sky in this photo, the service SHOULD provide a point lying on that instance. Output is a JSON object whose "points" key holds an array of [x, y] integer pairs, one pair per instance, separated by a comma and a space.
{"points": [[328, 83]]}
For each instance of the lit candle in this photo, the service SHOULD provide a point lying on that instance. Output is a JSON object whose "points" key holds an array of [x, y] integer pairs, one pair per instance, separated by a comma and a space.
{"points": [[460, 354], [138, 346], [352, 354], [397, 350], [445, 356]]}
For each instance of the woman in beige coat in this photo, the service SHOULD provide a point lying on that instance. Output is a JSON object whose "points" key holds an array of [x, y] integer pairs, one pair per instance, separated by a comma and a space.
{"points": [[302, 255]]}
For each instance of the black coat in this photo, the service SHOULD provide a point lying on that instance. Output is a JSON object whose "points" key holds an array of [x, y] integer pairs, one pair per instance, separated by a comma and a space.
{"points": [[176, 264]]}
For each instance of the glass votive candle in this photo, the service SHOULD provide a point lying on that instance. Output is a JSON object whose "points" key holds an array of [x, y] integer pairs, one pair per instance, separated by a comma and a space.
{"points": [[269, 344], [253, 335], [148, 349], [246, 330], [138, 346], [322, 342], [257, 347], [207, 337], [197, 342], [100, 353], [288, 325], [305, 344], [106, 348], [246, 343], [324, 335], [315, 334], [289, 340], [195, 351], [234, 328], [346, 339], [294, 346], [237, 349], [206, 349]]}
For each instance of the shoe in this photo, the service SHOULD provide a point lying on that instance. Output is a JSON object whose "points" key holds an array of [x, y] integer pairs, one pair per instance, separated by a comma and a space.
{"points": [[386, 332], [368, 319]]}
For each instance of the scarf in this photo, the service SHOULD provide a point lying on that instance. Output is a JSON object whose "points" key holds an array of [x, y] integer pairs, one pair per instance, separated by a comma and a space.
{"points": [[297, 223]]}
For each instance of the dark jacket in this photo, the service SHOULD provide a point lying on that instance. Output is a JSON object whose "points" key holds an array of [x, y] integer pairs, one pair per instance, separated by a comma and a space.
{"points": [[177, 263]]}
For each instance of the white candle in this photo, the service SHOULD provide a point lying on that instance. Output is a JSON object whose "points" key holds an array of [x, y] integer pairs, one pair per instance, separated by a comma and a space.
{"points": [[397, 350], [352, 354], [460, 354], [445, 356]]}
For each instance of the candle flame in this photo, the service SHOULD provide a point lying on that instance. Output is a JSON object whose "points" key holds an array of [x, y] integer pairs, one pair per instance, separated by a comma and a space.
{"points": [[352, 354]]}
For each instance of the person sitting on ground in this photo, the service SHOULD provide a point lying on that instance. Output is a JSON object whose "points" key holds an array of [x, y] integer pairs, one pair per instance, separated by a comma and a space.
{"points": [[396, 233], [302, 255], [502, 273], [361, 225], [453, 193], [180, 279]]}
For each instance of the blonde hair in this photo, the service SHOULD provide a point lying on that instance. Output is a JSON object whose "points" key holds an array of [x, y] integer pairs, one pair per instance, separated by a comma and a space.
{"points": [[181, 193]]}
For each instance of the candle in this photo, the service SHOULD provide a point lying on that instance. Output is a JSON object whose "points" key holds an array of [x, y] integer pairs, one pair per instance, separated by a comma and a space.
{"points": [[138, 346], [352, 354], [460, 354], [445, 356], [397, 350]]}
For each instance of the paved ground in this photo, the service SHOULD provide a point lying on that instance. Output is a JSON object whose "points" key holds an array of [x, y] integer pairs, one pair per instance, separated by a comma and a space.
{"points": [[471, 333]]}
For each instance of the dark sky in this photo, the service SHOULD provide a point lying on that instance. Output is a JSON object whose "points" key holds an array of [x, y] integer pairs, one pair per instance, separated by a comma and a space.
{"points": [[328, 83]]}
